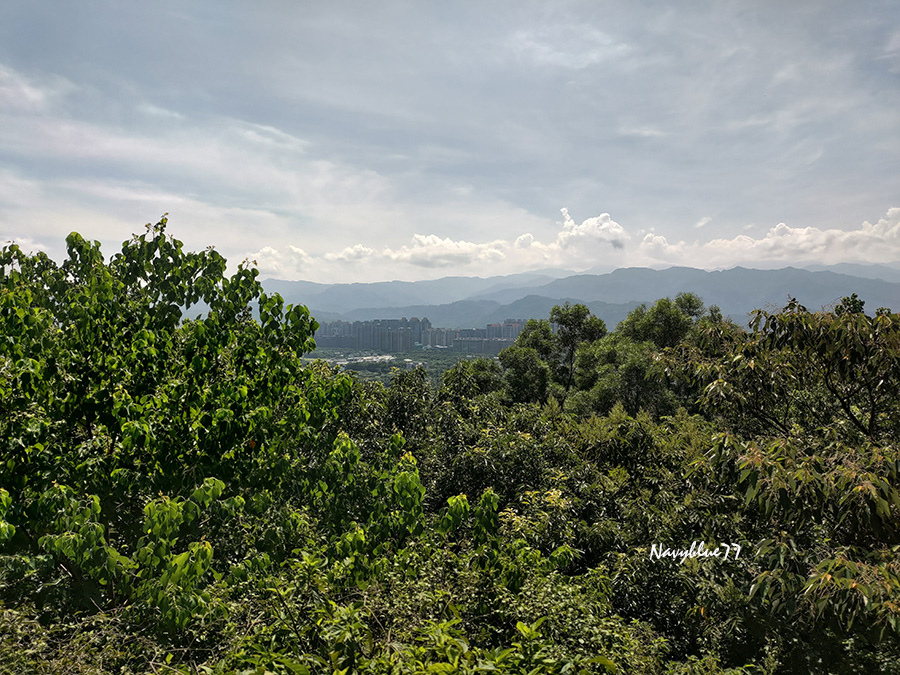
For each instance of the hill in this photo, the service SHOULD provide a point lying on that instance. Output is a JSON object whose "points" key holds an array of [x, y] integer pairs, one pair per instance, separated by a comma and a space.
{"points": [[460, 302]]}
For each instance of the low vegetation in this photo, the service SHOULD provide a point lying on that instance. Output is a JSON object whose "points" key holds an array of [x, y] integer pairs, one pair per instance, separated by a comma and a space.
{"points": [[188, 495]]}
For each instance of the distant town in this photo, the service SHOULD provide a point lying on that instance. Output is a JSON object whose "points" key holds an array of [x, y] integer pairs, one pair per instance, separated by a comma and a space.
{"points": [[407, 335]]}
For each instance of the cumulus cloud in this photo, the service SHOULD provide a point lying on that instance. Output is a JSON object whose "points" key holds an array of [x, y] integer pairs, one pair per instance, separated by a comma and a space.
{"points": [[524, 240], [575, 244], [423, 251], [878, 242], [27, 244], [299, 254], [583, 245], [272, 262], [600, 228], [433, 251], [356, 252]]}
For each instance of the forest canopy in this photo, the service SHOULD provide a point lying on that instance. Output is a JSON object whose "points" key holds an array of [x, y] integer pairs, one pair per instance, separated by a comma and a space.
{"points": [[181, 492]]}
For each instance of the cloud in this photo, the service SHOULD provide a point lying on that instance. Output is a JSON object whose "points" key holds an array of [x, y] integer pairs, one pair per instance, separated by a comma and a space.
{"points": [[433, 251], [355, 252], [575, 244], [641, 132], [524, 240], [23, 94], [158, 111], [703, 222], [405, 142], [782, 244], [566, 46], [600, 228], [27, 244], [285, 265], [300, 255], [230, 180], [891, 52], [425, 251]]}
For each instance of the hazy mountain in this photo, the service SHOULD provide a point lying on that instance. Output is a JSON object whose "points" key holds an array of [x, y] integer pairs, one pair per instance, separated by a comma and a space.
{"points": [[538, 307], [463, 302], [885, 271], [460, 314], [479, 313], [737, 291], [342, 298], [612, 314], [529, 307]]}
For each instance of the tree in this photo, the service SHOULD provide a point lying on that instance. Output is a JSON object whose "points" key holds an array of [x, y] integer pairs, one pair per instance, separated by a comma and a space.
{"points": [[665, 324], [812, 369], [525, 376], [811, 401], [538, 335], [470, 378], [690, 305], [575, 325], [409, 404], [615, 369], [119, 414]]}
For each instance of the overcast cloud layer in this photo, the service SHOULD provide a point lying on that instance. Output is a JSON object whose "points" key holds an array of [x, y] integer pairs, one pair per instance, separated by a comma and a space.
{"points": [[407, 140]]}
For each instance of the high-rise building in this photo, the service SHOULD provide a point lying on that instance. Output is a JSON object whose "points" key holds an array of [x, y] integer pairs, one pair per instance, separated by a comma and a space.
{"points": [[404, 335]]}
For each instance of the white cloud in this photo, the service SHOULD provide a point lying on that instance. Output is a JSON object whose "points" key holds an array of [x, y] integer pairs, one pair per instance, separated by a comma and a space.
{"points": [[782, 244], [349, 135], [158, 111], [23, 94], [566, 46], [524, 240], [27, 244], [575, 245], [600, 228], [892, 52], [433, 251], [273, 137], [355, 252], [641, 132], [291, 264]]}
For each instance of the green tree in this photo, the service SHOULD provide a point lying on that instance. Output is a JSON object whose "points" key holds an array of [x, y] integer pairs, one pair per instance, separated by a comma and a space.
{"points": [[525, 376], [574, 325], [813, 369], [115, 398], [665, 324], [538, 335], [812, 401], [409, 404], [468, 379], [616, 369], [691, 305]]}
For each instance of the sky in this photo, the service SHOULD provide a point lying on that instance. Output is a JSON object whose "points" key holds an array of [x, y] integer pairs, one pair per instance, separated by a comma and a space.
{"points": [[371, 141]]}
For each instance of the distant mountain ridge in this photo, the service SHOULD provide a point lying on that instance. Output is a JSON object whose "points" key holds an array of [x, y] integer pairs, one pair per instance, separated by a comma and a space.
{"points": [[465, 302], [883, 271], [345, 297]]}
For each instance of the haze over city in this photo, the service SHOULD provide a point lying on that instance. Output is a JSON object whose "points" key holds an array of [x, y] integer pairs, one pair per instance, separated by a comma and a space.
{"points": [[398, 140]]}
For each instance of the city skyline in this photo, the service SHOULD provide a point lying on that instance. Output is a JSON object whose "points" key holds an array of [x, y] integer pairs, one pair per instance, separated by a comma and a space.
{"points": [[406, 335]]}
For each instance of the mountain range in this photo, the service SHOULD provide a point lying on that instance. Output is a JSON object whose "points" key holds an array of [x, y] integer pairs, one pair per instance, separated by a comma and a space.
{"points": [[467, 302]]}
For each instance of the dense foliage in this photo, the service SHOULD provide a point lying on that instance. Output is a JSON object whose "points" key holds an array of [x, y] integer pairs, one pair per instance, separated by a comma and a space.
{"points": [[187, 495]]}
